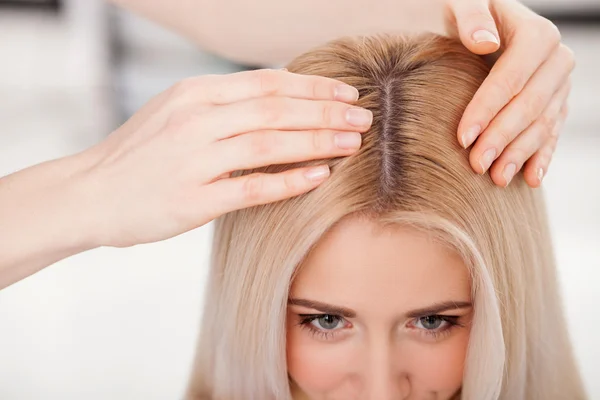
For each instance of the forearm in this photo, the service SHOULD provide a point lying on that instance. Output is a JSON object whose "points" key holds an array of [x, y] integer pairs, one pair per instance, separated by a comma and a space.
{"points": [[43, 218], [272, 32]]}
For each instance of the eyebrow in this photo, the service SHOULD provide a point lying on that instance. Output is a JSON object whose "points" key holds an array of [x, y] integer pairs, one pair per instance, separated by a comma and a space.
{"points": [[348, 313], [323, 307], [439, 308]]}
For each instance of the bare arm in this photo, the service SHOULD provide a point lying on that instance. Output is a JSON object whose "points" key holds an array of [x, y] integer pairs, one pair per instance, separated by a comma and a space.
{"points": [[43, 218], [167, 170], [272, 32]]}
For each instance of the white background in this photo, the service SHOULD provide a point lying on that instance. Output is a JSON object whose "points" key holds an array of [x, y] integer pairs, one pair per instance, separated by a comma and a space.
{"points": [[122, 323]]}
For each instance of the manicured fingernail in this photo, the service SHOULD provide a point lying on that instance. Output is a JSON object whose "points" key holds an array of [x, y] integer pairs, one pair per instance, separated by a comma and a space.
{"points": [[345, 93], [348, 140], [470, 135], [484, 36], [318, 173], [486, 159], [509, 172], [540, 174], [359, 117]]}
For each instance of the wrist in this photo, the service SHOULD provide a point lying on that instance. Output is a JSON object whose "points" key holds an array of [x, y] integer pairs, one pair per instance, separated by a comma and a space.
{"points": [[78, 192], [43, 218]]}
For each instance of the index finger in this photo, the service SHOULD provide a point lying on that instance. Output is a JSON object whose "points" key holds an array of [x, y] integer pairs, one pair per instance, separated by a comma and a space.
{"points": [[508, 76], [245, 85]]}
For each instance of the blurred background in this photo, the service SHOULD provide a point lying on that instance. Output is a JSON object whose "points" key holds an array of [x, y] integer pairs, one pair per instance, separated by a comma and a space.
{"points": [[122, 323]]}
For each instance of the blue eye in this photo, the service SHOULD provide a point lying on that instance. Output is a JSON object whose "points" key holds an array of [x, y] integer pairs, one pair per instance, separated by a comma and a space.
{"points": [[431, 322], [327, 322]]}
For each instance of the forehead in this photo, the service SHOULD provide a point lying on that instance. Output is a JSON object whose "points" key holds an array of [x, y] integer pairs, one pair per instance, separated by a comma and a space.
{"points": [[359, 263]]}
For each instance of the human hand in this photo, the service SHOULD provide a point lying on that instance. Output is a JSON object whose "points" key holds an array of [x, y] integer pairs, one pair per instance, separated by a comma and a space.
{"points": [[168, 169], [515, 117]]}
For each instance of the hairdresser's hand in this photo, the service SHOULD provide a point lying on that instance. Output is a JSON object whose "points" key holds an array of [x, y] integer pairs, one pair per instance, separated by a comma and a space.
{"points": [[168, 169], [515, 117]]}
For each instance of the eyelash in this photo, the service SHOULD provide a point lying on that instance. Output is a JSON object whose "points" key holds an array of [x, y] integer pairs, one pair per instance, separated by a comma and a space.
{"points": [[452, 322], [439, 333], [306, 323]]}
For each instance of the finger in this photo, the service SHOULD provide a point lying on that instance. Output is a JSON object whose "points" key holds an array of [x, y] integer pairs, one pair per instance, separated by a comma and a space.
{"points": [[500, 141], [524, 54], [476, 26], [530, 141], [277, 113], [528, 105], [259, 188], [537, 166], [239, 86], [261, 148]]}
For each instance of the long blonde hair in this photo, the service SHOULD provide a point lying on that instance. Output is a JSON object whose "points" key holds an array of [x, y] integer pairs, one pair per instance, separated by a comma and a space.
{"points": [[409, 170]]}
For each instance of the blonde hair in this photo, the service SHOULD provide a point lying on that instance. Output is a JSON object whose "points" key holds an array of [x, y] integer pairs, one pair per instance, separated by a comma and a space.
{"points": [[409, 170]]}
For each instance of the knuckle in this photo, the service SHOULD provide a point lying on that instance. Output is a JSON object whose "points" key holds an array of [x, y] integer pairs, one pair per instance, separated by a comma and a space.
{"points": [[554, 132], [550, 30], [318, 145], [519, 155], [568, 55], [534, 104], [488, 111], [178, 120], [314, 89], [564, 112], [510, 84], [552, 143], [546, 124], [514, 81], [214, 88], [569, 85], [262, 144], [326, 115], [267, 81], [185, 86], [272, 109], [290, 183], [178, 89], [505, 138], [481, 15], [252, 188]]}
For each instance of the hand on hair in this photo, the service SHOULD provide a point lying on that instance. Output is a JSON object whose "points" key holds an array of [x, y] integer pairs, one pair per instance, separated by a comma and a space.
{"points": [[515, 117], [168, 169]]}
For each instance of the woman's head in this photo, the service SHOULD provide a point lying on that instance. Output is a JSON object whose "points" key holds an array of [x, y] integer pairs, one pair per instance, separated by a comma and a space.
{"points": [[380, 314], [420, 230]]}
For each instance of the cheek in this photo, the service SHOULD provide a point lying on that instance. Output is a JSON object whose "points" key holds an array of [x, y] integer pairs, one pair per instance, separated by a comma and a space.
{"points": [[316, 367], [440, 367]]}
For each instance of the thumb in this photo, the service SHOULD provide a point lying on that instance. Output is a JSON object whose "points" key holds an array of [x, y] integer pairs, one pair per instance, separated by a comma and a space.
{"points": [[476, 26]]}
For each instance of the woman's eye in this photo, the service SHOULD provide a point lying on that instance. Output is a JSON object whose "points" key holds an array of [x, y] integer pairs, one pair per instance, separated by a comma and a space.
{"points": [[431, 322], [327, 322]]}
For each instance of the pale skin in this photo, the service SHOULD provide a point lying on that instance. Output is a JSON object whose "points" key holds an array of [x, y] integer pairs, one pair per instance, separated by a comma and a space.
{"points": [[518, 112], [170, 163], [378, 315]]}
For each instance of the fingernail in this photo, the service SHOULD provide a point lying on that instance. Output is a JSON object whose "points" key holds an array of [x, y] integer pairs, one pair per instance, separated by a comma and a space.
{"points": [[348, 140], [486, 159], [470, 135], [317, 174], [484, 36], [540, 174], [359, 117], [345, 93], [509, 172]]}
